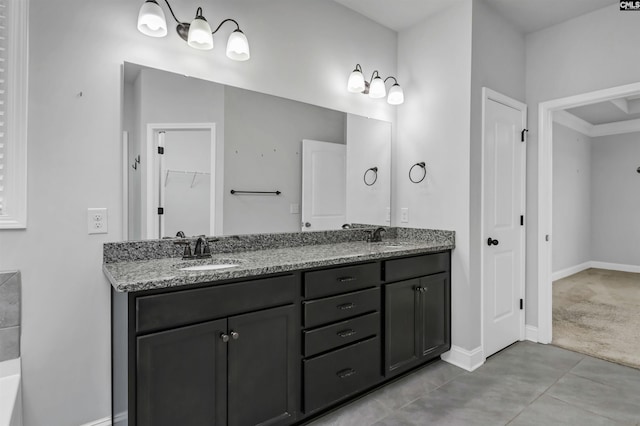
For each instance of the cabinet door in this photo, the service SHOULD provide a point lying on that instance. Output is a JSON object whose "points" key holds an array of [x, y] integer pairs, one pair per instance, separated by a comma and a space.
{"points": [[434, 314], [181, 376], [263, 380], [402, 341]]}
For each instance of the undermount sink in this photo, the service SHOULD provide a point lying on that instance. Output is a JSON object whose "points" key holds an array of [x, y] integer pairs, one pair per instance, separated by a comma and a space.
{"points": [[393, 246], [208, 267], [208, 264]]}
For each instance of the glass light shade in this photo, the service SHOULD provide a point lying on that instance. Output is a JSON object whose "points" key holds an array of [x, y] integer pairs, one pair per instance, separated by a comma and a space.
{"points": [[238, 46], [377, 89], [200, 36], [396, 95], [356, 82], [151, 20]]}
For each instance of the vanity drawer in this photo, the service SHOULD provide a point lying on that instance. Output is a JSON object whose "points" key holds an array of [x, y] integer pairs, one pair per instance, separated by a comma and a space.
{"points": [[335, 308], [332, 336], [417, 266], [340, 280], [330, 377], [169, 310]]}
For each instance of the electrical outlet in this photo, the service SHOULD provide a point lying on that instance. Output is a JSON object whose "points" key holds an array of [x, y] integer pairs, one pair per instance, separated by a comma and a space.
{"points": [[97, 221], [404, 215]]}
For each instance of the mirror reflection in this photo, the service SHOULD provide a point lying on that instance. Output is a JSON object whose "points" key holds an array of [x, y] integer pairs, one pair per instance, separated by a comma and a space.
{"points": [[207, 158]]}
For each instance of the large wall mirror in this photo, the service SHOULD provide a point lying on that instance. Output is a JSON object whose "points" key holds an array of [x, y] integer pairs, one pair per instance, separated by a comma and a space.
{"points": [[204, 158]]}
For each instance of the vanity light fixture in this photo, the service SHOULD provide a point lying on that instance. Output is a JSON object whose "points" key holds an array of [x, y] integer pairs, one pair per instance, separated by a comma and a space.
{"points": [[197, 34], [376, 88]]}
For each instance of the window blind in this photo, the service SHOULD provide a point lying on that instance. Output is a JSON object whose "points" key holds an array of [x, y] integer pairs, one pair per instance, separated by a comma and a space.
{"points": [[3, 101]]}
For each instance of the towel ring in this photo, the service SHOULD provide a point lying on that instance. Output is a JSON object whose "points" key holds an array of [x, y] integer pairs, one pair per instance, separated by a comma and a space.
{"points": [[424, 171], [375, 176]]}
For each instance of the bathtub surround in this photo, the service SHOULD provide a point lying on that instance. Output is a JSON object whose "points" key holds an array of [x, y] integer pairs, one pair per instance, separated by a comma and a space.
{"points": [[9, 315]]}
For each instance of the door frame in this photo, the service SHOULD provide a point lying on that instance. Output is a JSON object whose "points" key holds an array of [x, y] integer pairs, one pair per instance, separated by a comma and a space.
{"points": [[488, 94], [545, 193], [150, 223]]}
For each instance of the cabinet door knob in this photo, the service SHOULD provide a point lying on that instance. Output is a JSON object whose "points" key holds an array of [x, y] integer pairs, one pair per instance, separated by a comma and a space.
{"points": [[418, 288], [224, 337], [235, 335]]}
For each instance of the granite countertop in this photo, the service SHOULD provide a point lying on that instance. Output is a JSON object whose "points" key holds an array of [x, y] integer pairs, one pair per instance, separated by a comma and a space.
{"points": [[129, 276]]}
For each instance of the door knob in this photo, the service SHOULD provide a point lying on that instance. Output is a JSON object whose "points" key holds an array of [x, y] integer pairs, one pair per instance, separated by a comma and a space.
{"points": [[307, 225], [224, 337], [491, 242], [235, 335]]}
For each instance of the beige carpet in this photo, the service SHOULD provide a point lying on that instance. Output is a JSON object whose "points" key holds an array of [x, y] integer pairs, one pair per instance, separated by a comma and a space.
{"points": [[597, 312]]}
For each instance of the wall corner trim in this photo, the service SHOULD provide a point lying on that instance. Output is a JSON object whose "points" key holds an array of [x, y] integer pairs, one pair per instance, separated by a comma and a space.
{"points": [[531, 333], [467, 360]]}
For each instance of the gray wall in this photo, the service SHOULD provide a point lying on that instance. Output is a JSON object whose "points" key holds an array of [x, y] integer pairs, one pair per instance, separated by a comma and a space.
{"points": [[263, 152], [498, 63], [569, 59], [75, 161], [571, 198], [615, 199], [434, 66]]}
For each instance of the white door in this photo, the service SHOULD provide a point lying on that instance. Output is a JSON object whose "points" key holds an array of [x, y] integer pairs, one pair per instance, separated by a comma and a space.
{"points": [[324, 185], [503, 227]]}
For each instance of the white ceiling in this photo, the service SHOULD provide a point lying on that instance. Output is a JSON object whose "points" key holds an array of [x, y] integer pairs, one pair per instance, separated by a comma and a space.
{"points": [[526, 15], [617, 110]]}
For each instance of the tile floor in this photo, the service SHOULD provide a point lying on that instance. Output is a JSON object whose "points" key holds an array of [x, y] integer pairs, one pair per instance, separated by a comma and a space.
{"points": [[525, 384]]}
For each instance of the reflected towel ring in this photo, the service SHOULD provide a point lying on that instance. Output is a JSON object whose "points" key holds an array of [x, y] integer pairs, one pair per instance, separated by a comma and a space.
{"points": [[424, 171], [375, 176]]}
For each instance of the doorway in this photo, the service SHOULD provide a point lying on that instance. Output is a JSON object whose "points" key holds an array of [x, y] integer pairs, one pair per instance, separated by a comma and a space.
{"points": [[502, 222], [595, 258], [547, 110], [183, 188]]}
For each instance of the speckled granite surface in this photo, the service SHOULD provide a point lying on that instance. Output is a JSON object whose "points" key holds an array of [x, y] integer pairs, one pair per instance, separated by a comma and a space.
{"points": [[135, 274]]}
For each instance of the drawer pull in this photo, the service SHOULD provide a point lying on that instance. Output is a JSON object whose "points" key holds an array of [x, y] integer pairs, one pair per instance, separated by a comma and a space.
{"points": [[346, 333], [346, 279], [346, 306], [343, 374]]}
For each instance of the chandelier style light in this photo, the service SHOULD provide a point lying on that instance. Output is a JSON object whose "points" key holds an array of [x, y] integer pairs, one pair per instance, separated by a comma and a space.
{"points": [[376, 87], [197, 34]]}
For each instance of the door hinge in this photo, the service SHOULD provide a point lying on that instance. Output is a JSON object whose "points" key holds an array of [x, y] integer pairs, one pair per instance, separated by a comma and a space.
{"points": [[160, 150], [521, 304], [521, 220], [522, 134], [160, 210]]}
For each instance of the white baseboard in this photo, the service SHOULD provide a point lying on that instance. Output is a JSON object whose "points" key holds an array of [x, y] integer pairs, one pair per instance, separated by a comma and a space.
{"points": [[531, 333], [106, 421], [563, 273], [467, 360], [615, 266]]}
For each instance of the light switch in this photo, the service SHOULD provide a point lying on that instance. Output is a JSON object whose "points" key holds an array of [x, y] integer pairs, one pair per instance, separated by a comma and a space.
{"points": [[97, 222], [404, 215]]}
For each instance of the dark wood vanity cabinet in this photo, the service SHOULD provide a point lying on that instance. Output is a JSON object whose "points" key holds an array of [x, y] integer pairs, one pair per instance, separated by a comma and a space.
{"points": [[417, 315], [275, 350], [240, 369]]}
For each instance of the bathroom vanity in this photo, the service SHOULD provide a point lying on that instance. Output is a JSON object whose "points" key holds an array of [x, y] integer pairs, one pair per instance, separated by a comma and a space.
{"points": [[290, 332]]}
